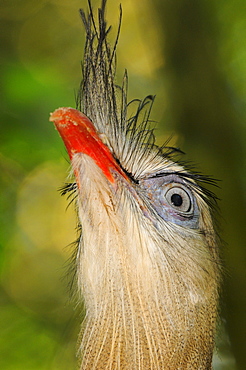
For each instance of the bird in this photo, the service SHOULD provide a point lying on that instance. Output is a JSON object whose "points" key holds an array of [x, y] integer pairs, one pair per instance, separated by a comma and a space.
{"points": [[147, 258]]}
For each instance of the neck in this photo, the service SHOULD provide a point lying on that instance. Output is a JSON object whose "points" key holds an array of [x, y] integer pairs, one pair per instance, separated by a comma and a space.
{"points": [[151, 301]]}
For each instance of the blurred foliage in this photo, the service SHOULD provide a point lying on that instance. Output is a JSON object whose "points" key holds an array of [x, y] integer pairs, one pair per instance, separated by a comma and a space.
{"points": [[41, 49]]}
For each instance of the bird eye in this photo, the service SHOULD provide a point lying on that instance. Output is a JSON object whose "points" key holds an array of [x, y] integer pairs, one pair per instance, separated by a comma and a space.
{"points": [[179, 199], [173, 199]]}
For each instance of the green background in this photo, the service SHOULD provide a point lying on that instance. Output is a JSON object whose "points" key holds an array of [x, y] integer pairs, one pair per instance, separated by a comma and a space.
{"points": [[192, 56]]}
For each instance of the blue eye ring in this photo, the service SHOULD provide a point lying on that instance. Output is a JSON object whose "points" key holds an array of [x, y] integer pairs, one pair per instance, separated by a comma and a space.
{"points": [[173, 199]]}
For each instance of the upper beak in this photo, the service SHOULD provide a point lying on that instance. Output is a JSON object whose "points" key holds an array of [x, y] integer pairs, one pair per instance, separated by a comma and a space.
{"points": [[80, 136]]}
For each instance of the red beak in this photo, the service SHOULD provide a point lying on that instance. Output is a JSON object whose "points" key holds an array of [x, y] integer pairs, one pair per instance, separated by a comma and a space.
{"points": [[80, 136]]}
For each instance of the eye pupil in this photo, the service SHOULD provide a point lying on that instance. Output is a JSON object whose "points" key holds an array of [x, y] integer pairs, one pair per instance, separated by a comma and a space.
{"points": [[176, 200]]}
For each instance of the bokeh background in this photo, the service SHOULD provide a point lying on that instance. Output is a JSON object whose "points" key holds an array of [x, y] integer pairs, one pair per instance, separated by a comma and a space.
{"points": [[192, 55]]}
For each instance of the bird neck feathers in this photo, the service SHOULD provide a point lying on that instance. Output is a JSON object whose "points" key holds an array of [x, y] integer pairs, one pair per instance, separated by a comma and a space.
{"points": [[144, 292]]}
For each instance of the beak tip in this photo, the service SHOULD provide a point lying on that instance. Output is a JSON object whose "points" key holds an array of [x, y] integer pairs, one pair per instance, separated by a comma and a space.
{"points": [[59, 114]]}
